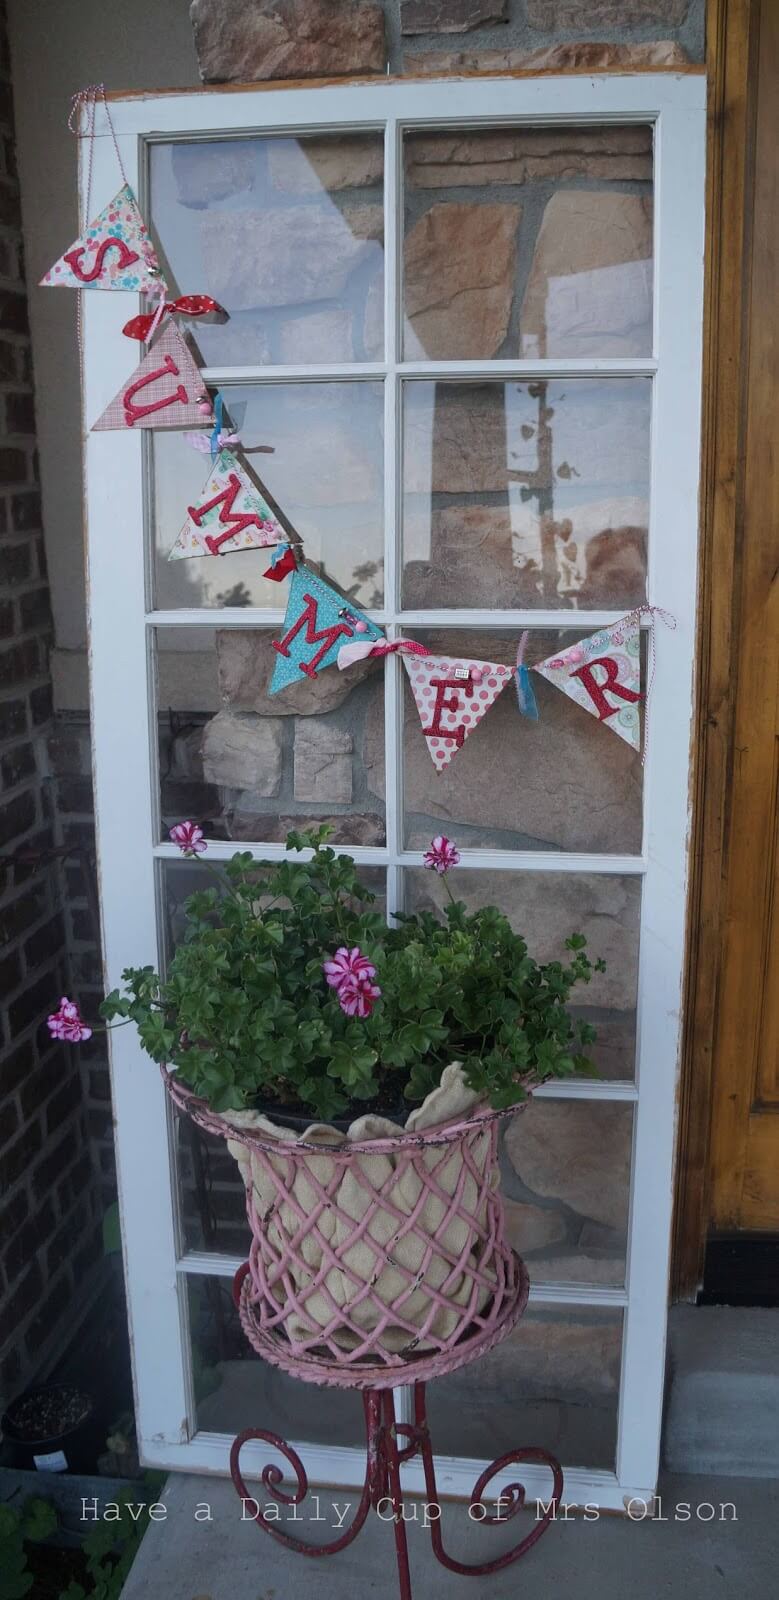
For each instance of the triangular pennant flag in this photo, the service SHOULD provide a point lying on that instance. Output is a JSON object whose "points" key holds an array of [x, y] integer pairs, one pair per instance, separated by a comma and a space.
{"points": [[229, 515], [452, 694], [317, 623], [113, 252], [166, 390], [603, 675]]}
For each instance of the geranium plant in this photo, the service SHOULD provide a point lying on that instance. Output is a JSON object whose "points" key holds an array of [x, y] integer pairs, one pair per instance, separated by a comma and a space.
{"points": [[290, 990]]}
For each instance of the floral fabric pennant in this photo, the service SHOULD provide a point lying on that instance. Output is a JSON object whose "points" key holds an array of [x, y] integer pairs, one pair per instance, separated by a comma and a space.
{"points": [[317, 623], [603, 675], [229, 515], [452, 694], [166, 390], [113, 252]]}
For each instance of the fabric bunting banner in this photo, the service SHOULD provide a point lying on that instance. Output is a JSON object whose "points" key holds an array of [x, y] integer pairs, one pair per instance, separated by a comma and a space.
{"points": [[603, 675], [452, 695], [166, 390], [114, 252], [230, 515], [317, 623]]}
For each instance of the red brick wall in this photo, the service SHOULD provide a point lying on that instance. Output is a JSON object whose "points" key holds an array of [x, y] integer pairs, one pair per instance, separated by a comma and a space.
{"points": [[50, 1214]]}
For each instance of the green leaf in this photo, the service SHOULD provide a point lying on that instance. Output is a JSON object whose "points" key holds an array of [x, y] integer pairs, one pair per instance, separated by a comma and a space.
{"points": [[39, 1519]]}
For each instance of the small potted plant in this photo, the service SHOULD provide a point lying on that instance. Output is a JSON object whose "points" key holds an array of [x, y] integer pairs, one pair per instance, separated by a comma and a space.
{"points": [[357, 1070], [52, 1428]]}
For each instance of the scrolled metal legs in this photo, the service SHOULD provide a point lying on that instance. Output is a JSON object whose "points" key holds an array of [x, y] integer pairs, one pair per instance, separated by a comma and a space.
{"points": [[513, 1496], [389, 1445], [272, 1477]]}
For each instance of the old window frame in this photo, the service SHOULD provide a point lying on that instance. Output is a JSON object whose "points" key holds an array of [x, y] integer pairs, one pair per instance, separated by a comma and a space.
{"points": [[123, 707]]}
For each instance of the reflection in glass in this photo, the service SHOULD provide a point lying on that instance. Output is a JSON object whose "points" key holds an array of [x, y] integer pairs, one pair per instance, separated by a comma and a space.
{"points": [[212, 1198], [321, 462], [528, 242], [526, 494], [554, 1382], [565, 1176], [235, 1390], [566, 782], [545, 907], [251, 767], [287, 234]]}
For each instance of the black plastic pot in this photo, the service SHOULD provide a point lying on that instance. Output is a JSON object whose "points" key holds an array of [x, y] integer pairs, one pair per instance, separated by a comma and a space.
{"points": [[52, 1428], [299, 1121]]}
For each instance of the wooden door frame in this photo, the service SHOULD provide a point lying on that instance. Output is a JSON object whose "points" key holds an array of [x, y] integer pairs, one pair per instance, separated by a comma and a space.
{"points": [[732, 31]]}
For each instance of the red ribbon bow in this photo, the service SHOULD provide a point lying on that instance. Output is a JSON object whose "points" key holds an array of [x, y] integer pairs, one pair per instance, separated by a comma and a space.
{"points": [[187, 305]]}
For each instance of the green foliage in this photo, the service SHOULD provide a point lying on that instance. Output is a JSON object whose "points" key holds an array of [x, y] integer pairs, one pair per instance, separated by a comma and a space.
{"points": [[112, 1546], [245, 1012], [35, 1521]]}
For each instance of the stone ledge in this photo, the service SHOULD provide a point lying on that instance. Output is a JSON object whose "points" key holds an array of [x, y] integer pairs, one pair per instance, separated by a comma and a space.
{"points": [[592, 55]]}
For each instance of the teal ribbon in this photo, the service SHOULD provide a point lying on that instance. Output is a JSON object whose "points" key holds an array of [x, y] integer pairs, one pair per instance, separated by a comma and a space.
{"points": [[218, 414], [525, 694]]}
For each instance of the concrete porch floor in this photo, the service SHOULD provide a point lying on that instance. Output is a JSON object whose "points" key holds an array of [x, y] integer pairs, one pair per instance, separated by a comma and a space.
{"points": [[227, 1559]]}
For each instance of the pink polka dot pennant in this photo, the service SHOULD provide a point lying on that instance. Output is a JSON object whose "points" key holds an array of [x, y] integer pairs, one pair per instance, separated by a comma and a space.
{"points": [[452, 694]]}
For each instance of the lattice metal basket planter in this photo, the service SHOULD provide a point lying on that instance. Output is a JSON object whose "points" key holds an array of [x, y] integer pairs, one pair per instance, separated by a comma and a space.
{"points": [[373, 1258]]}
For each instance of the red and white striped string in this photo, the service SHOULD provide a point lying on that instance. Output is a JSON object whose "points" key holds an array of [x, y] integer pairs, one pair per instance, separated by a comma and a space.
{"points": [[670, 621], [86, 101]]}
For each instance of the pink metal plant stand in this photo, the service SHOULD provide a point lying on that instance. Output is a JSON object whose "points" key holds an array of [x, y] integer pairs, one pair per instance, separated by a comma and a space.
{"points": [[372, 1266]]}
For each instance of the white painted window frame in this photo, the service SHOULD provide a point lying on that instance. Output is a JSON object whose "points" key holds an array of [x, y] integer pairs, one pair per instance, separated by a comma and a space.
{"points": [[123, 706]]}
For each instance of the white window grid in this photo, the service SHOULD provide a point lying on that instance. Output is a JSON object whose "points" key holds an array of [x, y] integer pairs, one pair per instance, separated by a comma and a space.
{"points": [[123, 661]]}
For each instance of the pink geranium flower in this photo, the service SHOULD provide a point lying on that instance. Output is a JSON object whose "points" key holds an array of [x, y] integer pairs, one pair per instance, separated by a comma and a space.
{"points": [[351, 974], [189, 838], [442, 854], [67, 1023], [347, 966], [357, 997]]}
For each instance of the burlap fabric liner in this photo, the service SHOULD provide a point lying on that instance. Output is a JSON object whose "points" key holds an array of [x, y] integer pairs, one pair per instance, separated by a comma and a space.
{"points": [[360, 1180]]}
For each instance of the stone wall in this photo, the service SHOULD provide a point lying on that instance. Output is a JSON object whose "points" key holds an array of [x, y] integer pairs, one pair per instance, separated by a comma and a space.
{"points": [[246, 40], [50, 1216]]}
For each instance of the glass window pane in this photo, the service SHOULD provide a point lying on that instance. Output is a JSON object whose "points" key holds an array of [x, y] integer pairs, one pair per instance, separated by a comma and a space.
{"points": [[565, 1173], [322, 464], [234, 1389], [286, 233], [212, 1198], [528, 242], [554, 1382], [545, 907], [566, 782], [249, 766], [526, 494]]}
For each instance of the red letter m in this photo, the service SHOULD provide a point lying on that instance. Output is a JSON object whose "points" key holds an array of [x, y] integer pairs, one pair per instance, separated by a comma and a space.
{"points": [[233, 521], [328, 635]]}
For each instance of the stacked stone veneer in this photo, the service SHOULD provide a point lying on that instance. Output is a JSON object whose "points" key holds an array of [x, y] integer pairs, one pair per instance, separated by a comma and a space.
{"points": [[50, 1215], [245, 40]]}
